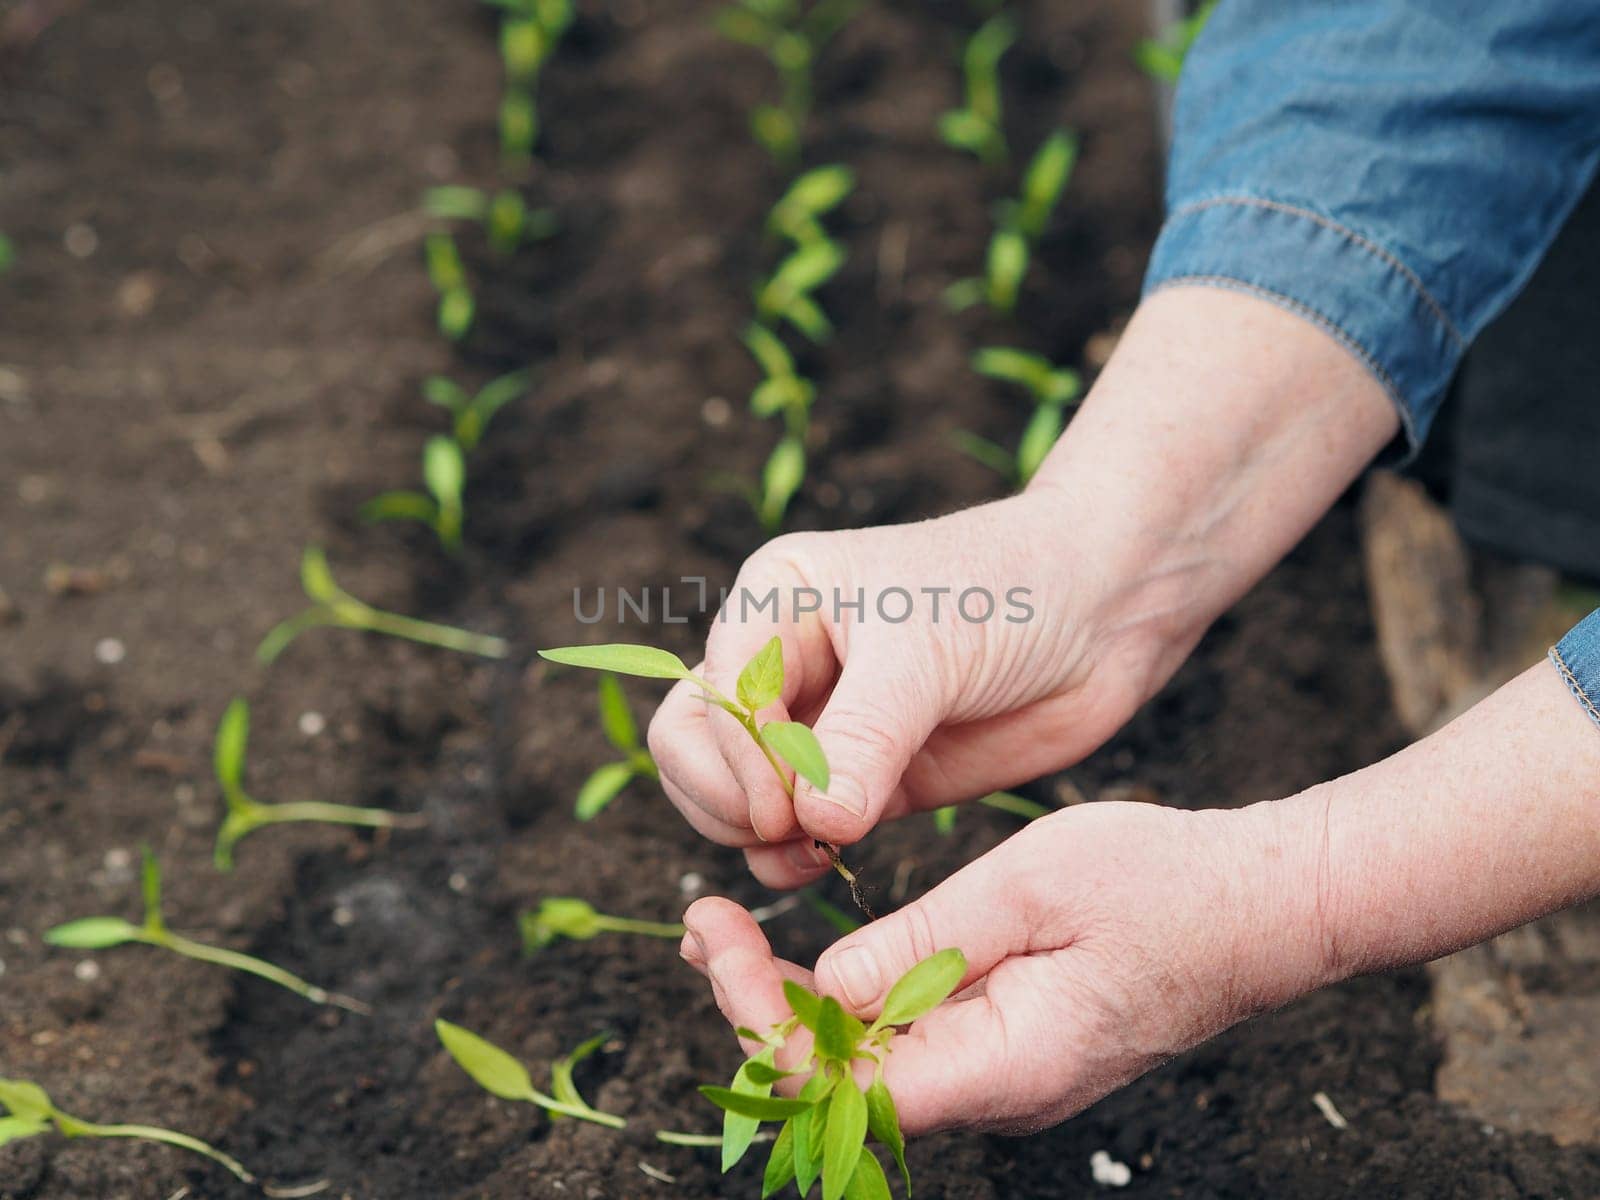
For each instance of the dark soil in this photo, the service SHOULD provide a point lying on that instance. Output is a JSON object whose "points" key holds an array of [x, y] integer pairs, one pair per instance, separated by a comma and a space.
{"points": [[234, 364]]}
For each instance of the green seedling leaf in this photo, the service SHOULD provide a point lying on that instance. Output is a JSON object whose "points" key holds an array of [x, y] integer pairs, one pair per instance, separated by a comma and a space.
{"points": [[507, 221], [798, 746], [944, 819], [780, 1164], [807, 1145], [228, 749], [1038, 438], [759, 1071], [1044, 182], [780, 480], [769, 351], [523, 47], [562, 1086], [601, 788], [740, 24], [964, 294], [14, 1129], [807, 269], [762, 1108], [444, 470], [922, 989], [92, 933], [991, 455], [868, 1181], [739, 1129], [1032, 371], [786, 393], [814, 194], [804, 1003], [1004, 271], [806, 315], [316, 577], [883, 1122], [981, 64], [456, 311], [616, 717], [1017, 806], [455, 203], [445, 393], [444, 263], [519, 125], [491, 398], [964, 130], [843, 1137], [491, 1068], [837, 1032], [25, 1100], [841, 921], [401, 506], [624, 658], [761, 681], [560, 917]]}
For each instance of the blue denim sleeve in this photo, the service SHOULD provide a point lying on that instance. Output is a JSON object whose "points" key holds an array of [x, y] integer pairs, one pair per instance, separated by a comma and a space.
{"points": [[1577, 657], [1392, 170]]}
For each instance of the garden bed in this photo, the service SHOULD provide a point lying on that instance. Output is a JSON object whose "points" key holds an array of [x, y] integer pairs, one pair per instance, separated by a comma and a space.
{"points": [[228, 362]]}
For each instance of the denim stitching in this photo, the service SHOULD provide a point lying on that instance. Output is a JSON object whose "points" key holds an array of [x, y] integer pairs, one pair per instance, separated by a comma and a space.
{"points": [[1351, 235], [1573, 685], [1322, 322]]}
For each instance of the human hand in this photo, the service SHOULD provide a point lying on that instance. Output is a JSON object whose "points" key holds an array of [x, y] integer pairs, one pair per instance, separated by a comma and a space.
{"points": [[1100, 941], [913, 714]]}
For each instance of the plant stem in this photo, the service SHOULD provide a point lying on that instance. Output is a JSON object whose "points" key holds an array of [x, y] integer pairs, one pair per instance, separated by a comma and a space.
{"points": [[552, 1105], [688, 1139], [333, 814], [72, 1127], [250, 965], [430, 634], [660, 929], [1017, 806]]}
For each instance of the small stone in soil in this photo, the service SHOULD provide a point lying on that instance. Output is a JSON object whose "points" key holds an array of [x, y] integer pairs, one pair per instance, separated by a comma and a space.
{"points": [[110, 651], [312, 723], [87, 971], [1108, 1172]]}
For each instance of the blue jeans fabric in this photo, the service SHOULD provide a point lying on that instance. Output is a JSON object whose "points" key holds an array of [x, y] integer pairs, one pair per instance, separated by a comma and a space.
{"points": [[1391, 170]]}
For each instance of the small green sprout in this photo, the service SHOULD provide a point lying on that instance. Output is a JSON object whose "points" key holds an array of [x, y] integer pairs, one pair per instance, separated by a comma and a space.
{"points": [[244, 815], [784, 390], [519, 127], [791, 35], [1021, 223], [528, 37], [441, 508], [798, 213], [576, 920], [1162, 57], [976, 127], [505, 216], [622, 731], [30, 1112], [499, 1074], [8, 254], [825, 1127], [333, 606], [786, 295], [449, 277], [944, 819], [103, 933], [760, 683], [1054, 389], [471, 414], [781, 477]]}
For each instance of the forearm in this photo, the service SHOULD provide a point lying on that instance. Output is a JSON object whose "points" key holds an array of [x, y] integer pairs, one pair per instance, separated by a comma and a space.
{"points": [[1221, 430], [1487, 824]]}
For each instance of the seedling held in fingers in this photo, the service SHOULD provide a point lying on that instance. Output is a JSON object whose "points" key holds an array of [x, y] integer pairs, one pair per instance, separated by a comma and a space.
{"points": [[471, 414], [760, 683], [622, 731], [499, 1074], [333, 606], [245, 815], [103, 933], [560, 917], [825, 1127], [29, 1112], [442, 507], [976, 127]]}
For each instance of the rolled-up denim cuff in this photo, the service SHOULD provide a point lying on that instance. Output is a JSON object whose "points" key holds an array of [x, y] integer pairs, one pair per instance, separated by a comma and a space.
{"points": [[1577, 657], [1354, 289]]}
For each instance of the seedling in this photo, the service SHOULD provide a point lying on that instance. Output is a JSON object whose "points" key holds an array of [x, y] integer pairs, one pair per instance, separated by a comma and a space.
{"points": [[499, 1074], [30, 1112], [528, 37], [784, 390], [798, 213], [519, 127], [245, 815], [1019, 225], [944, 819], [8, 255], [471, 414], [1054, 389], [825, 1127], [1162, 57], [332, 605], [104, 933], [786, 295], [760, 683], [441, 508], [791, 35], [456, 305], [505, 216], [560, 917], [976, 127], [622, 731]]}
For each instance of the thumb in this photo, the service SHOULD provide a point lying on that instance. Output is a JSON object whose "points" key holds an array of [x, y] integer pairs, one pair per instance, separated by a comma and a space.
{"points": [[878, 717], [973, 911]]}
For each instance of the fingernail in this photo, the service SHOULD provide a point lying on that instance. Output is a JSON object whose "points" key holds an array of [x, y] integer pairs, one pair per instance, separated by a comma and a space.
{"points": [[857, 973], [846, 796]]}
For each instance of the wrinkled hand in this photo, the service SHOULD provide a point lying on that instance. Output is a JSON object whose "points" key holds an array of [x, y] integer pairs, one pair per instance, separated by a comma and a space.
{"points": [[913, 714], [1100, 941]]}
